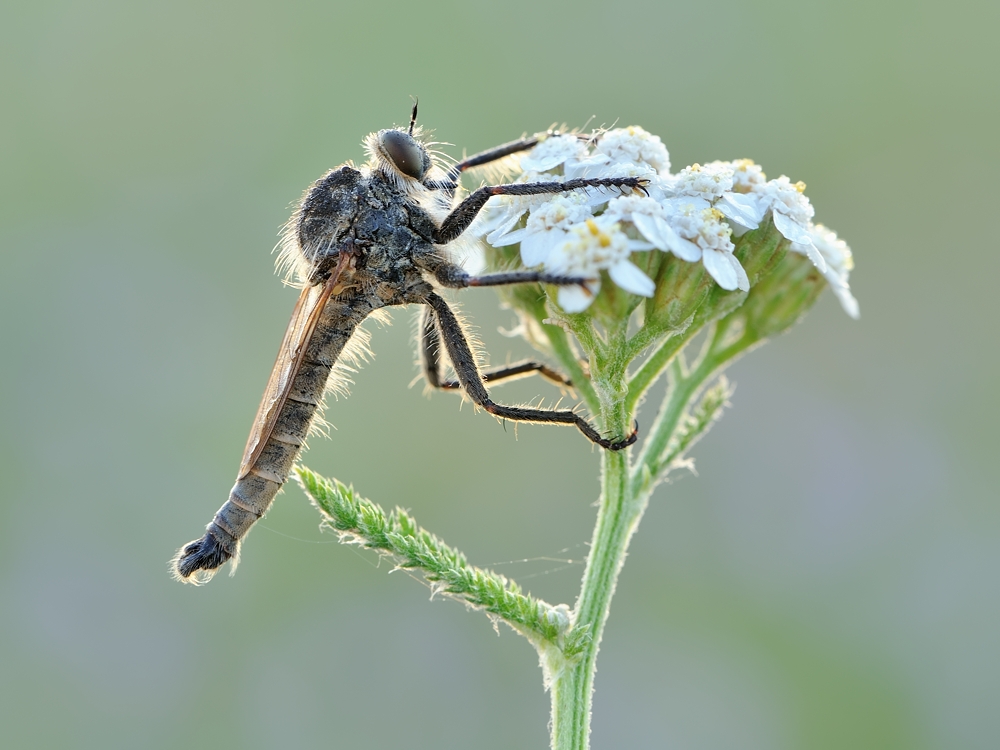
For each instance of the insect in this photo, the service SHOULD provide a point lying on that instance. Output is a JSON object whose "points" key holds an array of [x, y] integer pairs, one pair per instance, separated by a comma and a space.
{"points": [[362, 239]]}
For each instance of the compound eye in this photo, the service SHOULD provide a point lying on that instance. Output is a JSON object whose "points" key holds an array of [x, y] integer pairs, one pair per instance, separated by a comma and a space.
{"points": [[404, 152]]}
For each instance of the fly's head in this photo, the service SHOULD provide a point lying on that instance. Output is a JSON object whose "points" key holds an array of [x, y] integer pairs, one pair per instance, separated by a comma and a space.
{"points": [[398, 156]]}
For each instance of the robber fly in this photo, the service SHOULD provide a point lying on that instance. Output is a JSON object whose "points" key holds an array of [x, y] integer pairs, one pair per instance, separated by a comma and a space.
{"points": [[363, 239]]}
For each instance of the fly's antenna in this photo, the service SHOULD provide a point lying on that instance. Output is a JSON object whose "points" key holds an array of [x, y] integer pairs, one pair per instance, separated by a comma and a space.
{"points": [[413, 115]]}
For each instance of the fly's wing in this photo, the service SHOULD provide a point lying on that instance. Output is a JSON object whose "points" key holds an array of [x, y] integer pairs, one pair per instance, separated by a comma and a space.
{"points": [[300, 329]]}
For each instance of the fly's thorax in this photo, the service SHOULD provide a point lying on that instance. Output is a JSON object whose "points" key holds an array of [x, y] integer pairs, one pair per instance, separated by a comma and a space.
{"points": [[361, 212], [327, 214]]}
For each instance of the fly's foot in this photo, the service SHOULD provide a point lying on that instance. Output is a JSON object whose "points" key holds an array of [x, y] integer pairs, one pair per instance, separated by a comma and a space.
{"points": [[632, 437], [612, 445]]}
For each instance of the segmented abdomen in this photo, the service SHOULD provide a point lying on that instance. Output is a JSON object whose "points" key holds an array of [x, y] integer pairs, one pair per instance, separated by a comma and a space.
{"points": [[253, 493]]}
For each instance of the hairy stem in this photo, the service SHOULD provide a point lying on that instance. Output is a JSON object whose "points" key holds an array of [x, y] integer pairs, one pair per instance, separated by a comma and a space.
{"points": [[685, 386], [653, 367], [572, 688], [572, 680], [568, 357]]}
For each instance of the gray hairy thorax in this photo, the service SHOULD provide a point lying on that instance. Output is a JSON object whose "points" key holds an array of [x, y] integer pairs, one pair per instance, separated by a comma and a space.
{"points": [[375, 220]]}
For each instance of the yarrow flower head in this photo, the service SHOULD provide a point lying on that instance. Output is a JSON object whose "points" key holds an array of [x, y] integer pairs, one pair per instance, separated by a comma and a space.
{"points": [[724, 215], [791, 212], [709, 182], [503, 214], [633, 145], [591, 247], [547, 226], [707, 230], [746, 174], [552, 152]]}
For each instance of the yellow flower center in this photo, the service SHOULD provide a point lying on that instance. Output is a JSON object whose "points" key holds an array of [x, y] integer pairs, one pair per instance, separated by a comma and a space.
{"points": [[603, 238]]}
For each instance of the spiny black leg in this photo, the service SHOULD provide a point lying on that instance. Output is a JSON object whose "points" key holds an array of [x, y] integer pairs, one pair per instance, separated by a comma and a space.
{"points": [[465, 368], [525, 367], [455, 277], [430, 349], [450, 183], [462, 216], [494, 154], [499, 152], [430, 357]]}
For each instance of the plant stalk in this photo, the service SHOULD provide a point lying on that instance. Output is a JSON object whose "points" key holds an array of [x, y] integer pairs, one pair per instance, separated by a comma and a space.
{"points": [[572, 687]]}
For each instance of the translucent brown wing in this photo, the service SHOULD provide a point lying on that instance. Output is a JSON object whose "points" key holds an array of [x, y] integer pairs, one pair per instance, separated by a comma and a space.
{"points": [[300, 329]]}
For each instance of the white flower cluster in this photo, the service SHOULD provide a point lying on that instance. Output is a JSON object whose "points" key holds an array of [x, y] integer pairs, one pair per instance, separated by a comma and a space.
{"points": [[693, 214]]}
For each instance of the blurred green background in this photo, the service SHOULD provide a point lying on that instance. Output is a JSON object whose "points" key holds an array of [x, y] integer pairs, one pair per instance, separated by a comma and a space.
{"points": [[828, 580]]}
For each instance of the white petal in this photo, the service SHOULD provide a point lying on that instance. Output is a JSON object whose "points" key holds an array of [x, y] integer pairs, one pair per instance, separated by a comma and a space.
{"points": [[752, 202], [718, 265], [502, 239], [574, 299], [810, 250], [498, 213], [543, 164], [686, 250], [840, 287], [791, 229], [739, 208], [660, 233], [847, 301], [682, 248], [634, 245], [742, 281], [536, 246], [681, 204], [550, 153], [503, 227], [647, 225], [627, 275], [599, 194], [591, 166]]}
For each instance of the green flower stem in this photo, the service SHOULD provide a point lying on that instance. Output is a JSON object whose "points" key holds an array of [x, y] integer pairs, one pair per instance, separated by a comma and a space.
{"points": [[679, 395], [571, 681], [590, 341], [570, 361], [624, 498], [572, 687], [651, 369], [685, 387]]}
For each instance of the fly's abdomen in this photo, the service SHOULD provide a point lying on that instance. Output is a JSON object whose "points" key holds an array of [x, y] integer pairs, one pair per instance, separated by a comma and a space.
{"points": [[255, 490]]}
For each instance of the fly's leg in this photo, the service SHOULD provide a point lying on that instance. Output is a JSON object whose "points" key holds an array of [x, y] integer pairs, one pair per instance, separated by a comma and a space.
{"points": [[430, 357], [497, 153], [450, 183], [454, 277], [471, 381], [462, 216]]}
